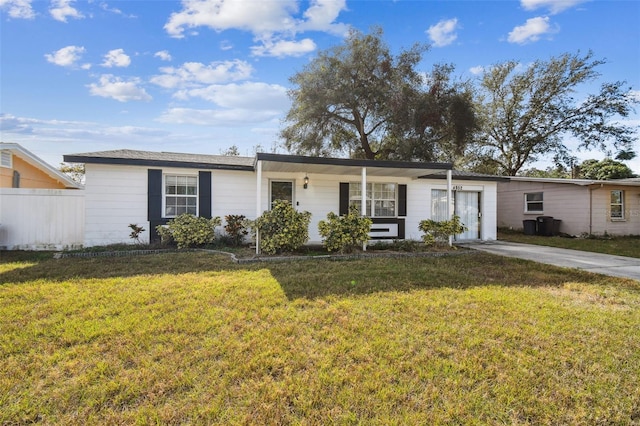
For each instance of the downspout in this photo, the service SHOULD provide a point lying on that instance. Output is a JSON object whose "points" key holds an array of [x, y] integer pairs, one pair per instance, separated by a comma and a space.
{"points": [[450, 202], [363, 200], [258, 200]]}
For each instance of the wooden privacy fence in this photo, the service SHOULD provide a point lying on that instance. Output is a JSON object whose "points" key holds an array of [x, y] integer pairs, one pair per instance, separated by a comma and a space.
{"points": [[41, 219]]}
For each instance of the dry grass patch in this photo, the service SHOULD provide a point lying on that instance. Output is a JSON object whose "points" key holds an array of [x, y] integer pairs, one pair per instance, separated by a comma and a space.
{"points": [[193, 338]]}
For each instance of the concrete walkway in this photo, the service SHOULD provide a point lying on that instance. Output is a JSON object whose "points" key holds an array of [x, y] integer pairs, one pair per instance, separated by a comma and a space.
{"points": [[617, 266]]}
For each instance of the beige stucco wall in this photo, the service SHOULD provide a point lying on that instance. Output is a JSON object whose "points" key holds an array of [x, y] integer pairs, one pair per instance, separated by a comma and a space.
{"points": [[582, 209], [602, 223]]}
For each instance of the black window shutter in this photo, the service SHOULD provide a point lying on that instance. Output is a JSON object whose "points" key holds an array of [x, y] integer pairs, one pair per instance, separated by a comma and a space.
{"points": [[402, 200], [154, 194], [204, 195], [15, 183], [344, 198]]}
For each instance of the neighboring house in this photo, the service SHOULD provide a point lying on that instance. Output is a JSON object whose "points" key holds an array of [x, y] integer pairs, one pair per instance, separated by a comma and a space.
{"points": [[40, 207], [20, 168], [584, 206], [149, 188]]}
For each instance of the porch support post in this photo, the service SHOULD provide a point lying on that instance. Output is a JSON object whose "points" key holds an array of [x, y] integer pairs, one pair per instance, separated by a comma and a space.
{"points": [[450, 202], [363, 200], [258, 200]]}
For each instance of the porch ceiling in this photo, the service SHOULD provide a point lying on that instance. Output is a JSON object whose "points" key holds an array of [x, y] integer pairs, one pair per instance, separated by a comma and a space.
{"points": [[335, 166]]}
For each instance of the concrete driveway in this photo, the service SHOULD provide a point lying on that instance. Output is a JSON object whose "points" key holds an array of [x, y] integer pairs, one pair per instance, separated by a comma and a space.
{"points": [[617, 266]]}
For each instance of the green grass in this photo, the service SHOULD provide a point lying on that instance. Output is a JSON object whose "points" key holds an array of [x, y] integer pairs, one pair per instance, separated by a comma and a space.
{"points": [[193, 338], [620, 246]]}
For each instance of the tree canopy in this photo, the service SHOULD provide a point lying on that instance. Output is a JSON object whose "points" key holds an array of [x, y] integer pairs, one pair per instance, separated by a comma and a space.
{"points": [[358, 99], [527, 113], [604, 170]]}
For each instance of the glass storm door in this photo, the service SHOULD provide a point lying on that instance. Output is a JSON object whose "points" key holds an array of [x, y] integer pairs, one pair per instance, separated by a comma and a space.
{"points": [[467, 207]]}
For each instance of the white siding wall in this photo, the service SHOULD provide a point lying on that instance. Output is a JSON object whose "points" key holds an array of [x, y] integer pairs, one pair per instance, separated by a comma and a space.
{"points": [[116, 196], [41, 219], [233, 192]]}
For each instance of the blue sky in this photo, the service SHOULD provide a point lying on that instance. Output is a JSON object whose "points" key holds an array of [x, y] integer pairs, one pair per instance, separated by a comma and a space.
{"points": [[202, 75]]}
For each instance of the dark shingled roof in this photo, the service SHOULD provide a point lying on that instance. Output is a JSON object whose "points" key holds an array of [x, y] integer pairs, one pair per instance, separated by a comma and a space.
{"points": [[148, 158]]}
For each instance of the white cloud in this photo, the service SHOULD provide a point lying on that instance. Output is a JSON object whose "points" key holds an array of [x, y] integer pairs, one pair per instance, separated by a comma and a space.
{"points": [[443, 33], [192, 74], [61, 10], [283, 48], [249, 95], [477, 70], [217, 117], [226, 45], [532, 30], [116, 58], [321, 14], [270, 21], [163, 55], [20, 9], [258, 17], [114, 87], [67, 56], [554, 6]]}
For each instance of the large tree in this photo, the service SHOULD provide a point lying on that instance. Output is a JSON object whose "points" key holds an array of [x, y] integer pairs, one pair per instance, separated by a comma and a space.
{"points": [[604, 170], [358, 99], [527, 112]]}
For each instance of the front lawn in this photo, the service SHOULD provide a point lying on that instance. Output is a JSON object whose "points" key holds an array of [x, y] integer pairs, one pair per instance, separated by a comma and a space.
{"points": [[620, 246], [191, 338]]}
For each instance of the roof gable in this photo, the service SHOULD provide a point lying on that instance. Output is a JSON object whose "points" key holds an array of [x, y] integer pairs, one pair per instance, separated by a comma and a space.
{"points": [[39, 164]]}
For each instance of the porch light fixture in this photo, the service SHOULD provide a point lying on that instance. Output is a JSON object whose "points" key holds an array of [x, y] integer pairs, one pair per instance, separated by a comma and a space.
{"points": [[306, 181]]}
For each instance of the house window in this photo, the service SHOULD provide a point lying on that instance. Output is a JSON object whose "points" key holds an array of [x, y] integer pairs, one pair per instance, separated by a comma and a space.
{"points": [[533, 202], [282, 190], [617, 205], [5, 159], [180, 195], [381, 198], [15, 182]]}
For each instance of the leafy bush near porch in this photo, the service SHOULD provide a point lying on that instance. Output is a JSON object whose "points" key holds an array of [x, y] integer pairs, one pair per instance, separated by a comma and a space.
{"points": [[236, 228], [282, 229], [439, 232], [188, 230], [344, 233]]}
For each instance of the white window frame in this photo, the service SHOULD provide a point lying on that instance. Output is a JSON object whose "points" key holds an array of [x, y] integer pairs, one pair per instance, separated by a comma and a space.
{"points": [[6, 159], [293, 190], [621, 204], [355, 199], [527, 202], [165, 195]]}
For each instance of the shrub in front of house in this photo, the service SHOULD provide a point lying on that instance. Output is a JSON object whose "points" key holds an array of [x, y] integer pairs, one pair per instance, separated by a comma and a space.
{"points": [[236, 228], [282, 229], [344, 233], [188, 230], [439, 232]]}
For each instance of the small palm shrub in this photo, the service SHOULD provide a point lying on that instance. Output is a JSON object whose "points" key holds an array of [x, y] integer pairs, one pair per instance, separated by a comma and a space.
{"points": [[282, 229], [438, 232], [344, 233], [188, 230]]}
